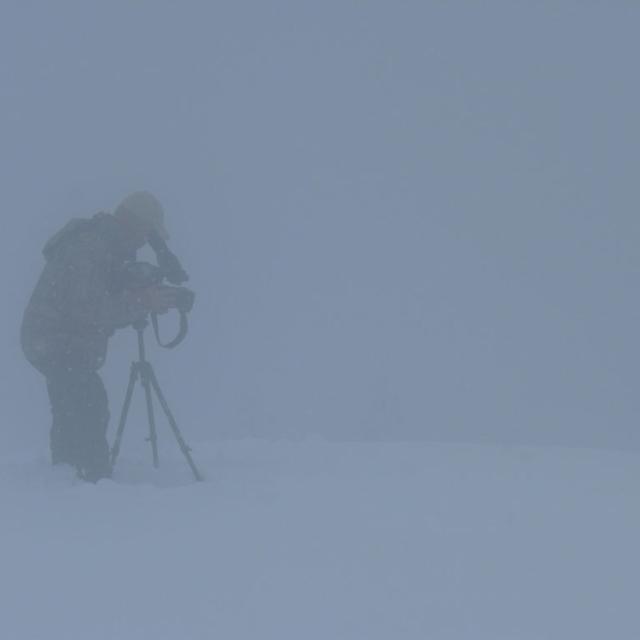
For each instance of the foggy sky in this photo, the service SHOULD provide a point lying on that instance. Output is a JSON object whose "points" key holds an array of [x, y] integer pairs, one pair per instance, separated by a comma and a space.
{"points": [[403, 220]]}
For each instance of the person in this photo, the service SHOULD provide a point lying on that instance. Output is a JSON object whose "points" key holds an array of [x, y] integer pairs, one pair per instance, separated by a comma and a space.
{"points": [[74, 309]]}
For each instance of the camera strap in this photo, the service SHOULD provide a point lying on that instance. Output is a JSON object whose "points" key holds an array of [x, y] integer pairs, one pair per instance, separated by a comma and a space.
{"points": [[184, 327]]}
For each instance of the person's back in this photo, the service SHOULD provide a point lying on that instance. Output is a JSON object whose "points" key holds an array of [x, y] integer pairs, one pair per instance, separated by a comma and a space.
{"points": [[73, 309]]}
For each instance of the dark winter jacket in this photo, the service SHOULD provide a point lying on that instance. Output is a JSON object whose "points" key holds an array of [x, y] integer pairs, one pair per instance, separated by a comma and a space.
{"points": [[74, 308]]}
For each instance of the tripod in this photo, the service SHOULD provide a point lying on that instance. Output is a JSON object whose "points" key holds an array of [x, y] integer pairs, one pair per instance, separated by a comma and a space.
{"points": [[142, 369]]}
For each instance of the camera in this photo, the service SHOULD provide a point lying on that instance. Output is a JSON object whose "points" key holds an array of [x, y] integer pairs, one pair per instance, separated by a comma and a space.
{"points": [[141, 275]]}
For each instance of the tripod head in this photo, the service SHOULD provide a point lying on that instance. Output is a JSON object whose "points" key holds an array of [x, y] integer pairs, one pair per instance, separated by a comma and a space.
{"points": [[141, 324]]}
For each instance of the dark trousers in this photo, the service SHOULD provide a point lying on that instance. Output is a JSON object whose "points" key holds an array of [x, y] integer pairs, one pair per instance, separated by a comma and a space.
{"points": [[80, 412]]}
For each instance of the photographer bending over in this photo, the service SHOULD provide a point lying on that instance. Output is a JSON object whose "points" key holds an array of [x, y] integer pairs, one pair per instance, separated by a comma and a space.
{"points": [[75, 308]]}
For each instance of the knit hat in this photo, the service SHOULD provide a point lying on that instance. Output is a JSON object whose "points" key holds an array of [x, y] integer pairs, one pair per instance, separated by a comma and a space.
{"points": [[145, 207]]}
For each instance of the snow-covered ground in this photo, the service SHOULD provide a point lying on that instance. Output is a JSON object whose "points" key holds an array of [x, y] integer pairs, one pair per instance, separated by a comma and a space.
{"points": [[315, 540]]}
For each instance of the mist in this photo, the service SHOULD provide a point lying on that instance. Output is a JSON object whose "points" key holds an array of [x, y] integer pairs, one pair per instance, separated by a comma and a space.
{"points": [[405, 222], [401, 222]]}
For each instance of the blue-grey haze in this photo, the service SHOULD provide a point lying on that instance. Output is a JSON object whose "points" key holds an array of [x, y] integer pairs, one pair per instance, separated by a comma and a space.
{"points": [[403, 220]]}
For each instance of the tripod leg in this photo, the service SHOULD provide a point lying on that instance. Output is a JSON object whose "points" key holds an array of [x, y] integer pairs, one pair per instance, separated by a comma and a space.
{"points": [[115, 450], [174, 427], [147, 378]]}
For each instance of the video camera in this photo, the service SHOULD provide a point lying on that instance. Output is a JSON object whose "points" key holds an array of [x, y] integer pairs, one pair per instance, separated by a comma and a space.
{"points": [[141, 275]]}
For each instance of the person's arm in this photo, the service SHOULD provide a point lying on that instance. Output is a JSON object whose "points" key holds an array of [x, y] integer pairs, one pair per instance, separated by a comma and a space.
{"points": [[84, 271]]}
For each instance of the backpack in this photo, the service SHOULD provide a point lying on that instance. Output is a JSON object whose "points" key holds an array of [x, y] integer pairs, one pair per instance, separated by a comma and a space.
{"points": [[70, 230]]}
